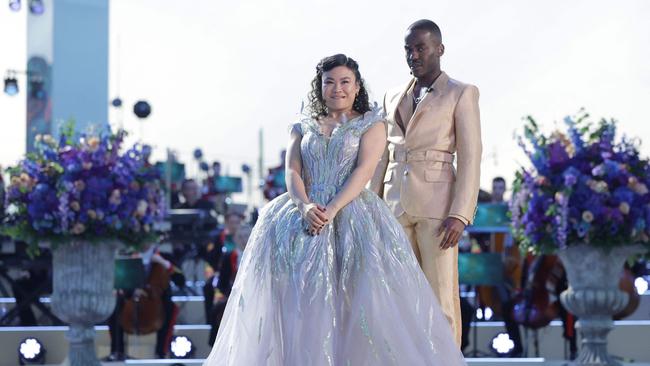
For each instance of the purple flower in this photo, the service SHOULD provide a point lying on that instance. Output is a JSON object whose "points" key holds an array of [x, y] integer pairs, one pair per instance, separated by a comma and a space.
{"points": [[598, 170], [571, 175], [598, 194], [81, 187], [557, 154]]}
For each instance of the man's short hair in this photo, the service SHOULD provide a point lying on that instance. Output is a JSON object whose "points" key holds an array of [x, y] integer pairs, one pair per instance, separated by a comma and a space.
{"points": [[186, 182], [427, 25], [235, 214], [499, 179]]}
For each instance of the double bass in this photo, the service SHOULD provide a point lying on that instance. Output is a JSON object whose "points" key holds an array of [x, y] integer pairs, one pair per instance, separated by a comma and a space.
{"points": [[145, 314], [538, 304]]}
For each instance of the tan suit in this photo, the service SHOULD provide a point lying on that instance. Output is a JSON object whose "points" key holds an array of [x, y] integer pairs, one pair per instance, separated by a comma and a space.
{"points": [[418, 181]]}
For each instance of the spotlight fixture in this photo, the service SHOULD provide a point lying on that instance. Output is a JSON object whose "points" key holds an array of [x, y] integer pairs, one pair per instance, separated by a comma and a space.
{"points": [[31, 352], [641, 285], [11, 84], [501, 344], [14, 5], [182, 347], [36, 7], [488, 313]]}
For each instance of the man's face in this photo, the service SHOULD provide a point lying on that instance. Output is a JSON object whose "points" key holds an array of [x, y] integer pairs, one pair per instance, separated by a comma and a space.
{"points": [[498, 190], [191, 192], [423, 51], [233, 223]]}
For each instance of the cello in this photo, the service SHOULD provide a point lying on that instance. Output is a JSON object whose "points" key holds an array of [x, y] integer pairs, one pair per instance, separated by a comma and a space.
{"points": [[145, 314], [538, 304]]}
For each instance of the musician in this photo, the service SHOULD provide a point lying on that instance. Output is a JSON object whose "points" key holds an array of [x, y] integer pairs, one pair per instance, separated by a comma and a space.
{"points": [[190, 240], [275, 184], [497, 296], [216, 194], [150, 257], [498, 190], [506, 291], [224, 260], [191, 193], [29, 283]]}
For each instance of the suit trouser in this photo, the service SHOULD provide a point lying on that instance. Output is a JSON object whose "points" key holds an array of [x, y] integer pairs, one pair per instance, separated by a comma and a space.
{"points": [[439, 266]]}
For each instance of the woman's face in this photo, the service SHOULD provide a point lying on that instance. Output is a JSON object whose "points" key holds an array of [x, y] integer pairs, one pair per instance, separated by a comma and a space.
{"points": [[340, 88]]}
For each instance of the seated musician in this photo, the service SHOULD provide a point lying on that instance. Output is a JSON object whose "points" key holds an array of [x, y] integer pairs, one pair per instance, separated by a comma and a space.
{"points": [[223, 259], [29, 278], [192, 197], [118, 321]]}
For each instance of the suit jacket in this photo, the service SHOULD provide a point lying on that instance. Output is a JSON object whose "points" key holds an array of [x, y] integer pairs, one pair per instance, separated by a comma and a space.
{"points": [[416, 175]]}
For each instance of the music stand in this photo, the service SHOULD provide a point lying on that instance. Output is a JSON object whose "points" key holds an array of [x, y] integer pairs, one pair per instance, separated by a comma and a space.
{"points": [[480, 269], [491, 218], [129, 274]]}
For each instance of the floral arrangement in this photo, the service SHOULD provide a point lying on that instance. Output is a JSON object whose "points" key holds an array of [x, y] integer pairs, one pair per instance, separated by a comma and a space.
{"points": [[82, 187], [583, 187]]}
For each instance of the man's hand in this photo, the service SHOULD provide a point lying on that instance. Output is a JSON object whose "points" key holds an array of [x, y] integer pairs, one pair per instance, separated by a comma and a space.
{"points": [[157, 258], [139, 293], [453, 229]]}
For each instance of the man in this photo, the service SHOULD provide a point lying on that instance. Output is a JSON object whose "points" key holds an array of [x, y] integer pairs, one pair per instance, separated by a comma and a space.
{"points": [[224, 259], [429, 119], [498, 189], [192, 195], [512, 272], [150, 257]]}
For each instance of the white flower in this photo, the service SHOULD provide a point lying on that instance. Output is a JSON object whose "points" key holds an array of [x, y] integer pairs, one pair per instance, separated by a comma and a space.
{"points": [[624, 207], [142, 208]]}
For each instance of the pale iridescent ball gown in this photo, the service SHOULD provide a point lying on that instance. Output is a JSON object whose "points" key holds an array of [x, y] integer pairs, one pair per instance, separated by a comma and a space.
{"points": [[353, 295]]}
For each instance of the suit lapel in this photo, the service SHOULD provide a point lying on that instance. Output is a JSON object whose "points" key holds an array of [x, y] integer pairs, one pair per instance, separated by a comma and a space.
{"points": [[400, 110], [439, 87]]}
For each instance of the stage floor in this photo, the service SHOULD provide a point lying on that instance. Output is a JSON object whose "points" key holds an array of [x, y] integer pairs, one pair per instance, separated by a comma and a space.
{"points": [[470, 361]]}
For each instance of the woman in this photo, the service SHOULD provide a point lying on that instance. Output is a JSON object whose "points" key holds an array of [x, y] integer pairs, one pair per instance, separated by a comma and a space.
{"points": [[328, 276]]}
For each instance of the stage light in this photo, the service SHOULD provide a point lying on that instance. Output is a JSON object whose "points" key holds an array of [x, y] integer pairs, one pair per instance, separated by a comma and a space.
{"points": [[31, 352], [501, 344], [641, 285], [14, 5], [182, 347], [479, 314], [11, 85], [36, 7], [488, 313]]}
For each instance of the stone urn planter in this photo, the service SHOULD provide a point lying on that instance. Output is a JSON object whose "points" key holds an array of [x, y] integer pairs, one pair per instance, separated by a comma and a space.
{"points": [[594, 296], [83, 294]]}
